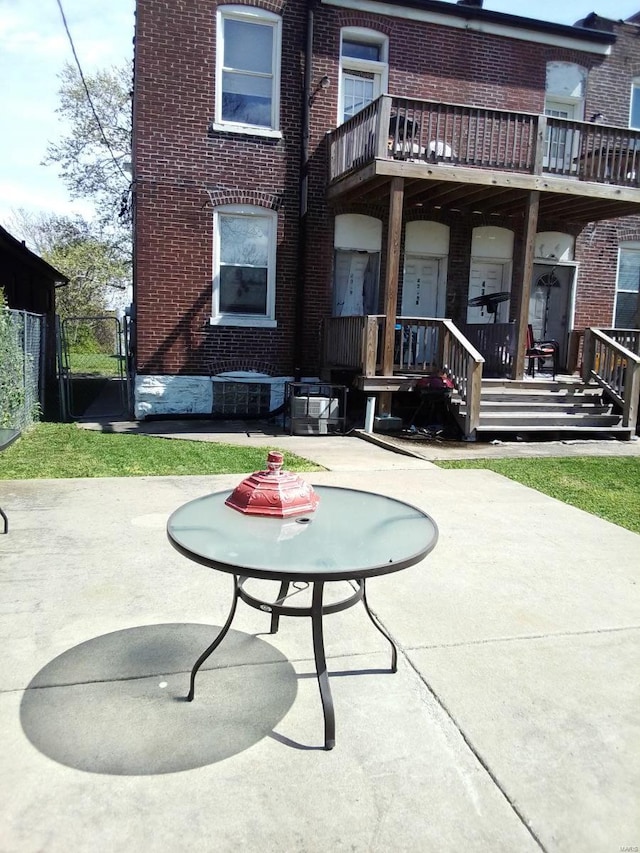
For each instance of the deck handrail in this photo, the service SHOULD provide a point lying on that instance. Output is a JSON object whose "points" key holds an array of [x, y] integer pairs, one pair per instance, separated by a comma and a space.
{"points": [[463, 364], [616, 369], [480, 137]]}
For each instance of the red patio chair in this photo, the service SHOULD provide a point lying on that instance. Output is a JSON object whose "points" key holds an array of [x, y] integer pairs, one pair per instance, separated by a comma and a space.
{"points": [[540, 350]]}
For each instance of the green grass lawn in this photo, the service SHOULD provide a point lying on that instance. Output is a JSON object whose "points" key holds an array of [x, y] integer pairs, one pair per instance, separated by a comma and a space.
{"points": [[96, 364], [50, 450], [607, 486]]}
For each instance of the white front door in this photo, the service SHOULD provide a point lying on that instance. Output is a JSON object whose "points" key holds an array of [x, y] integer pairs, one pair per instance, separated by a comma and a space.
{"points": [[487, 277], [423, 295], [423, 287]]}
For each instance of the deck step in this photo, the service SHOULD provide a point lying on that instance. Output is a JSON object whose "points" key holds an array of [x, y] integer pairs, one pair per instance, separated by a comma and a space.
{"points": [[576, 432], [595, 407], [522, 420], [557, 396]]}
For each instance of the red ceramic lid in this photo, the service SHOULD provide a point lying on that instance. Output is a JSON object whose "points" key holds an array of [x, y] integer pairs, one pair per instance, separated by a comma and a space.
{"points": [[273, 492]]}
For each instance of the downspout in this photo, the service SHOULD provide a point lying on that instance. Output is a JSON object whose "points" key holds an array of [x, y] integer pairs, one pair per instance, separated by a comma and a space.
{"points": [[304, 168]]}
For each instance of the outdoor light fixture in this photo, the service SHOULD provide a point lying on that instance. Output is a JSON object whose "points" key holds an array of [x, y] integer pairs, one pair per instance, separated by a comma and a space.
{"points": [[323, 83]]}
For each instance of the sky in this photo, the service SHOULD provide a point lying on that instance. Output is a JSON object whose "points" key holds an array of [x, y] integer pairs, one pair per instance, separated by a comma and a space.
{"points": [[34, 47]]}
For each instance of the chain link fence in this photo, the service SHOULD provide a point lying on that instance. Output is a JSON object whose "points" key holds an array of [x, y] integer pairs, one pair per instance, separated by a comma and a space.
{"points": [[21, 369]]}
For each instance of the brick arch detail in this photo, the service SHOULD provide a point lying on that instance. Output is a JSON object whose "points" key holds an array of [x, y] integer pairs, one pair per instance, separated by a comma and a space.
{"points": [[628, 231], [252, 365], [365, 20], [219, 197], [274, 6]]}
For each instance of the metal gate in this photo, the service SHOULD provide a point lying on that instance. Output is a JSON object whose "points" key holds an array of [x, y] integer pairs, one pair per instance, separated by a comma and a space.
{"points": [[93, 368]]}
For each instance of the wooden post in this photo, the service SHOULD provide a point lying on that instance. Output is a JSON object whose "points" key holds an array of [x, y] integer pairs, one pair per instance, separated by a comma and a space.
{"points": [[369, 345], [382, 129], [396, 200], [631, 395], [540, 145], [588, 354], [530, 228]]}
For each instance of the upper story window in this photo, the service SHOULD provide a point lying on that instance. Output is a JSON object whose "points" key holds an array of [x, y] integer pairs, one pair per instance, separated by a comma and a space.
{"points": [[634, 112], [364, 69], [244, 266], [627, 310], [248, 70]]}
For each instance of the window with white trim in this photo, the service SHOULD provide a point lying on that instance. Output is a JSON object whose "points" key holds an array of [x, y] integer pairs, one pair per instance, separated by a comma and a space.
{"points": [[627, 310], [244, 266], [247, 70], [364, 69], [634, 110]]}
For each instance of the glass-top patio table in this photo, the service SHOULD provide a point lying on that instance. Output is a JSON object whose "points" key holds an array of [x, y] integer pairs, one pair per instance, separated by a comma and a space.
{"points": [[351, 536]]}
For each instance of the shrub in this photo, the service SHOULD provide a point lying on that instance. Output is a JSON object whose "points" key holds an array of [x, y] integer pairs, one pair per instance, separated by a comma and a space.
{"points": [[12, 390]]}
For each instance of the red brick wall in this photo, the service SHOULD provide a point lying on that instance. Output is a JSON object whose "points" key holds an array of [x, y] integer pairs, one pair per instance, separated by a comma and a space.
{"points": [[182, 168], [178, 158]]}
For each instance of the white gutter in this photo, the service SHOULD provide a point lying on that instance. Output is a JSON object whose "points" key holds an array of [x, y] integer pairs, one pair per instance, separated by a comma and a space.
{"points": [[486, 27]]}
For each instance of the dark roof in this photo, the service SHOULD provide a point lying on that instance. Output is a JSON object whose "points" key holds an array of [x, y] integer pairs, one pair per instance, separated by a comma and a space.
{"points": [[471, 11], [12, 246]]}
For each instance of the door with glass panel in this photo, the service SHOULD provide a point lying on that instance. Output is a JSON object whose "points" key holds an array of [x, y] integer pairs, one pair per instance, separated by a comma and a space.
{"points": [[561, 142], [363, 72]]}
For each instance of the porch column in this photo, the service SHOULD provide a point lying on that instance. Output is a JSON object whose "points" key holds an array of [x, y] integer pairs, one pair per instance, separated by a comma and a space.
{"points": [[396, 200], [530, 229]]}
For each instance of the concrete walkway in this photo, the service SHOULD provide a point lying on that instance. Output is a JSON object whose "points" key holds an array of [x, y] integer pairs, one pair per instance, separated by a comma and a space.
{"points": [[358, 450], [512, 724]]}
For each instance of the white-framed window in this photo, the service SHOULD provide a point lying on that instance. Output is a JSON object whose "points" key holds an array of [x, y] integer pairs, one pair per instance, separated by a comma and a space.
{"points": [[248, 70], [364, 69], [627, 310], [634, 107], [244, 266]]}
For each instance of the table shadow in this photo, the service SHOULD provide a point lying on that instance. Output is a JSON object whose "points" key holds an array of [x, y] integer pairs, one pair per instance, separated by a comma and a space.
{"points": [[115, 704]]}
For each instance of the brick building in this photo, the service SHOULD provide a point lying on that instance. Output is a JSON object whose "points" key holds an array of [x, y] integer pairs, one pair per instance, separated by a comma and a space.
{"points": [[301, 162]]}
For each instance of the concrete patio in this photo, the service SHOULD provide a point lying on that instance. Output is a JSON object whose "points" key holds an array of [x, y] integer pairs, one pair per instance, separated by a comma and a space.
{"points": [[511, 725]]}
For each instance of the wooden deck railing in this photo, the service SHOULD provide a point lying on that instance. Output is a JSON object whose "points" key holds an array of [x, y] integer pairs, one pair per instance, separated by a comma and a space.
{"points": [[496, 342], [422, 345], [342, 342], [616, 369], [629, 338], [433, 132]]}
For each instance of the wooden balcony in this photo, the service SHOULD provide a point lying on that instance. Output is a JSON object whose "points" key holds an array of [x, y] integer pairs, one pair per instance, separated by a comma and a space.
{"points": [[461, 157]]}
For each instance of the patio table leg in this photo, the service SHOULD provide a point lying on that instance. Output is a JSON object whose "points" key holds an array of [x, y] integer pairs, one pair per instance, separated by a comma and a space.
{"points": [[275, 616], [394, 651], [223, 632], [321, 667]]}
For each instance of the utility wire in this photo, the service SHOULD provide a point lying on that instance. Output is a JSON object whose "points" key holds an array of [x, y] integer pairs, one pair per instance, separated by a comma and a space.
{"points": [[88, 94]]}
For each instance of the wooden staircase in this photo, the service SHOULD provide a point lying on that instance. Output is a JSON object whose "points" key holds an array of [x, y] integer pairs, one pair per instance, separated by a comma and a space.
{"points": [[542, 406]]}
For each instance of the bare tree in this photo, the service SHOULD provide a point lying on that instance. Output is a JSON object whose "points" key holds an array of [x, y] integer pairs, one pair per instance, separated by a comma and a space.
{"points": [[94, 156]]}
